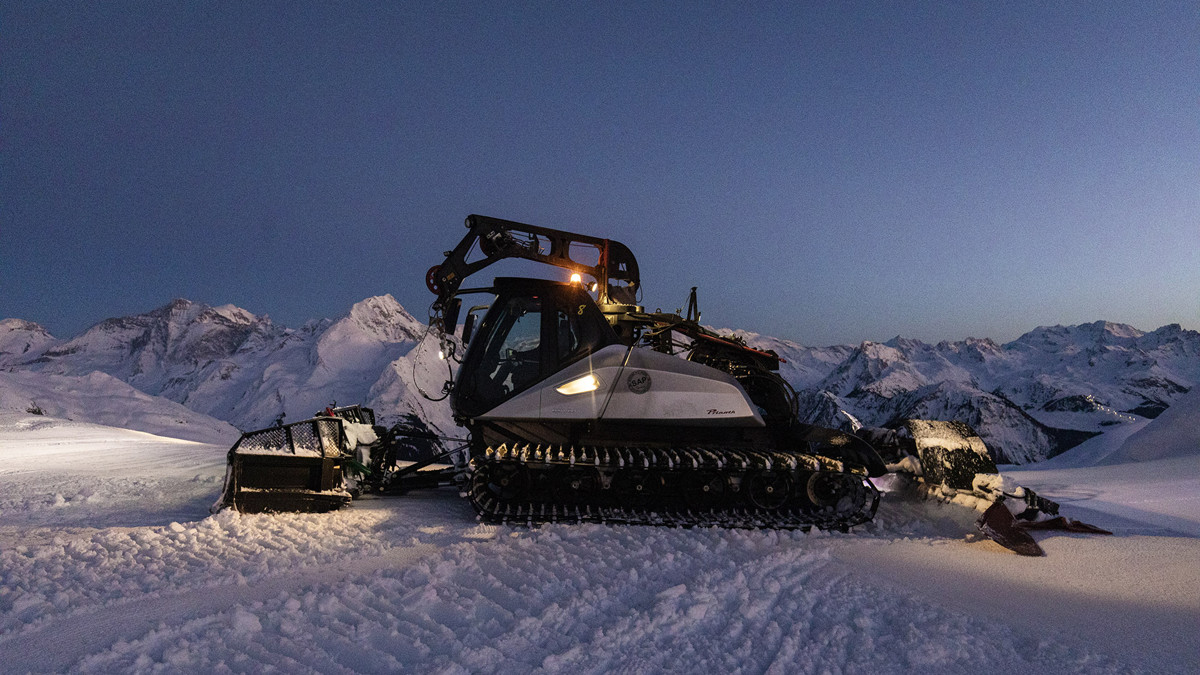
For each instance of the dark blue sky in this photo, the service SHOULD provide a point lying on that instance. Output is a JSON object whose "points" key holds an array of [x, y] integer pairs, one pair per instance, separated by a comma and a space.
{"points": [[824, 172]]}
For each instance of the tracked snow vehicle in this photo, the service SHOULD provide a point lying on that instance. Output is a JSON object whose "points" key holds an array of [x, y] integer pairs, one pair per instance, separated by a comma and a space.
{"points": [[580, 406]]}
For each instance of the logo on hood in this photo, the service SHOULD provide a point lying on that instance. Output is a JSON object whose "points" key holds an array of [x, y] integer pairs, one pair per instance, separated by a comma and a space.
{"points": [[639, 382]]}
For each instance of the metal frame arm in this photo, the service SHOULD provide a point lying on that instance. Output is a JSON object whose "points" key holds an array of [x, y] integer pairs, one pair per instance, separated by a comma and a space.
{"points": [[500, 239]]}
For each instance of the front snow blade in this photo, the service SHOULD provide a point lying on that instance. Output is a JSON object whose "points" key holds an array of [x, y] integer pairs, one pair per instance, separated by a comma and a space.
{"points": [[998, 524]]}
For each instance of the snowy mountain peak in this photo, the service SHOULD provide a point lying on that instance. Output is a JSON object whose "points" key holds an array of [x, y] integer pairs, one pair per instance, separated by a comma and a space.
{"points": [[1118, 330], [905, 344], [1075, 338], [234, 314], [179, 310], [1170, 330], [22, 341], [1173, 338], [974, 350], [386, 319], [233, 365], [13, 325], [881, 351], [982, 345], [872, 369], [155, 350]]}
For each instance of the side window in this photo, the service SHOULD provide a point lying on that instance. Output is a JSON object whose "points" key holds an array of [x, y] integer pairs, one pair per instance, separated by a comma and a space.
{"points": [[581, 330], [525, 332]]}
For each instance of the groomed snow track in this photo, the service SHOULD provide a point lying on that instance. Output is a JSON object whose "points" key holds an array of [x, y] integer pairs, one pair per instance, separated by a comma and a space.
{"points": [[679, 487]]}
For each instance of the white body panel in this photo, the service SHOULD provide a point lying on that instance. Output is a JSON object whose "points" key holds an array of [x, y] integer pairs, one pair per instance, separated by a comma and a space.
{"points": [[639, 385]]}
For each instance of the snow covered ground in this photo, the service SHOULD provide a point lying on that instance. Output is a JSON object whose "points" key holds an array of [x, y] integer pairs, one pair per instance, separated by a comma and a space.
{"points": [[109, 561]]}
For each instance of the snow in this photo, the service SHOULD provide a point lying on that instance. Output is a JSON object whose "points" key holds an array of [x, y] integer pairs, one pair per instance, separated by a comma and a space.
{"points": [[1091, 377], [229, 364], [102, 399], [109, 561], [1175, 433]]}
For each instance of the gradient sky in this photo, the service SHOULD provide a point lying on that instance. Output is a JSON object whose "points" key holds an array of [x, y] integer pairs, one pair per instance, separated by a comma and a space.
{"points": [[824, 172]]}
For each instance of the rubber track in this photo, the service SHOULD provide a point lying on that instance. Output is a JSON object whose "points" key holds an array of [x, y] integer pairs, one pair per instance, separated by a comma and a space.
{"points": [[527, 484]]}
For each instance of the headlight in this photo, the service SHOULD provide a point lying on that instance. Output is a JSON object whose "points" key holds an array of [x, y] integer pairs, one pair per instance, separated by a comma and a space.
{"points": [[579, 386]]}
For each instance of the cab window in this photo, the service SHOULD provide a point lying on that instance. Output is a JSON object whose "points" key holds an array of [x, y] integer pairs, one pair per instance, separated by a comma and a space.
{"points": [[511, 355], [580, 329]]}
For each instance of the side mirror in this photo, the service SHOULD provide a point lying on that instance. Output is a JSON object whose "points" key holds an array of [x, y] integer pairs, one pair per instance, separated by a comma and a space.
{"points": [[469, 325], [468, 328], [450, 315]]}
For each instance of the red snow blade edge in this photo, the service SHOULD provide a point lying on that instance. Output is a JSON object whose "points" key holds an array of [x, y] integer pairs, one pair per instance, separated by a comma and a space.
{"points": [[999, 525]]}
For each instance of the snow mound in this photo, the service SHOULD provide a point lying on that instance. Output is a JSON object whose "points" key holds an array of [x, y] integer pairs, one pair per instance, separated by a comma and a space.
{"points": [[1175, 433], [103, 399]]}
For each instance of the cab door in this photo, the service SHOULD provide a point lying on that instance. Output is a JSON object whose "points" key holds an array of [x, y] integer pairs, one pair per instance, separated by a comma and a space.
{"points": [[505, 357], [533, 330]]}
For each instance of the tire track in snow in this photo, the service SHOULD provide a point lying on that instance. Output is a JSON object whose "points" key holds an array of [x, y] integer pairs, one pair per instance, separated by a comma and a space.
{"points": [[1147, 617], [64, 642]]}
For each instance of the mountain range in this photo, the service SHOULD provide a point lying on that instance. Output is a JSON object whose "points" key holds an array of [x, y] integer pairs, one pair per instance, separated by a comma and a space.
{"points": [[1029, 399], [229, 364]]}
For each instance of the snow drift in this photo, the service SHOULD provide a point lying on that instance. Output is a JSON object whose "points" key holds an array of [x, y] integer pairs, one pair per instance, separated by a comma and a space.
{"points": [[103, 399], [1175, 433], [110, 562]]}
